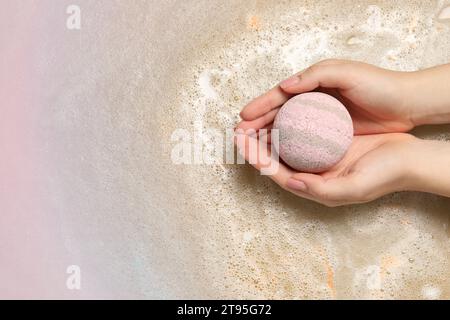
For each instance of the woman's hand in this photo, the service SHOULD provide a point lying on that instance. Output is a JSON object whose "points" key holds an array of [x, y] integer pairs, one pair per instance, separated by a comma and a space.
{"points": [[376, 98], [375, 165], [382, 158]]}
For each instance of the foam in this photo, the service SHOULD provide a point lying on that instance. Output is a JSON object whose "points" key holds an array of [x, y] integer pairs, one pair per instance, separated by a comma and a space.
{"points": [[259, 241]]}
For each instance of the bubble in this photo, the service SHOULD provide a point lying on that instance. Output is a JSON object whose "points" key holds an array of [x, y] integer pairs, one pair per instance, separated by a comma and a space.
{"points": [[354, 40], [431, 292], [258, 241]]}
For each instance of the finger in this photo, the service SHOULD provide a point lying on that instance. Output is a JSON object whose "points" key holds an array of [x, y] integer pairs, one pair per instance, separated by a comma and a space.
{"points": [[274, 98], [297, 77], [252, 151], [265, 133], [260, 122], [268, 127], [320, 75], [346, 189], [297, 190]]}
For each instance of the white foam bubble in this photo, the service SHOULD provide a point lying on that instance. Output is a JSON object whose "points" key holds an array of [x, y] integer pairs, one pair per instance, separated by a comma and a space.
{"points": [[431, 292], [204, 82]]}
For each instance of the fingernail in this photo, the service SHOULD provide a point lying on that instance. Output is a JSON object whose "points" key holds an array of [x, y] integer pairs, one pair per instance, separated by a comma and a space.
{"points": [[290, 82], [296, 184]]}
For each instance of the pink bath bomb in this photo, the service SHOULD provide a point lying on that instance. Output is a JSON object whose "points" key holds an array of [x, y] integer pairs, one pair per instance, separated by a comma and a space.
{"points": [[315, 132]]}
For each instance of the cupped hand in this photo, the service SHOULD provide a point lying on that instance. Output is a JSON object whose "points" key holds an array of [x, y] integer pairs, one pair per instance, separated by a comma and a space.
{"points": [[374, 165], [376, 98]]}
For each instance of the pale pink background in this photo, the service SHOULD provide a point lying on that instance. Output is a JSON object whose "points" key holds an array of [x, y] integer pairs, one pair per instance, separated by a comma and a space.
{"points": [[33, 261]]}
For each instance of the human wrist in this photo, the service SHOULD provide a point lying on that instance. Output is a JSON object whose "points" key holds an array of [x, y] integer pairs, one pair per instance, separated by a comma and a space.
{"points": [[427, 95], [426, 166]]}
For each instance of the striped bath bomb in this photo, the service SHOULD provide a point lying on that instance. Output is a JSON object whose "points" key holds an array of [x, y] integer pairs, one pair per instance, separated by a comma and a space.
{"points": [[315, 132]]}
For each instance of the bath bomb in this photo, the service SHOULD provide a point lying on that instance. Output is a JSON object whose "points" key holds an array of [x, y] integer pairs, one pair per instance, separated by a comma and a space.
{"points": [[315, 132]]}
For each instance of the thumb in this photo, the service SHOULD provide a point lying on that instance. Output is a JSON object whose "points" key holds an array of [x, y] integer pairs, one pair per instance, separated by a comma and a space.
{"points": [[326, 74]]}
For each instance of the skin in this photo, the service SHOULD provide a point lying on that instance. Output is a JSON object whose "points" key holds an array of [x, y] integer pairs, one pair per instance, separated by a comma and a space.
{"points": [[383, 158]]}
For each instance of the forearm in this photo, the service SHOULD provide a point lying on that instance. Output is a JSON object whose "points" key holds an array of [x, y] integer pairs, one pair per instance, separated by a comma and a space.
{"points": [[428, 93], [429, 167]]}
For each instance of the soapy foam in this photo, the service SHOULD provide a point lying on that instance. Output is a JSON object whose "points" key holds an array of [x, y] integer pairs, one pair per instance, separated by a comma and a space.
{"points": [[259, 241]]}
